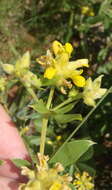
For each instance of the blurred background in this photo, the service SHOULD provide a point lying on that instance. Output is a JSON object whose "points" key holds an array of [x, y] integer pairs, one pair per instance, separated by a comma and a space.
{"points": [[33, 24]]}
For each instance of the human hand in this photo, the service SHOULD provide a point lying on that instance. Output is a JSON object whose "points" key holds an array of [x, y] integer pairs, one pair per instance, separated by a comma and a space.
{"points": [[11, 146]]}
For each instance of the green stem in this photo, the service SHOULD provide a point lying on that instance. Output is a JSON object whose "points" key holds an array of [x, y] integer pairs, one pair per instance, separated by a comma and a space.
{"points": [[70, 29], [32, 93], [84, 120], [44, 124], [50, 98], [66, 102]]}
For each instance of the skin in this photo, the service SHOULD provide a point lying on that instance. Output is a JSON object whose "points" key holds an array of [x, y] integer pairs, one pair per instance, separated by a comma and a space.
{"points": [[11, 146]]}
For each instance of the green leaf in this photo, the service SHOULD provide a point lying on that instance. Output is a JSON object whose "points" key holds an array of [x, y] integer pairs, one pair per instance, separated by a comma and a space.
{"points": [[1, 162], [66, 108], [40, 107], [71, 152], [102, 54], [65, 118], [19, 162], [87, 155], [33, 140], [105, 68]]}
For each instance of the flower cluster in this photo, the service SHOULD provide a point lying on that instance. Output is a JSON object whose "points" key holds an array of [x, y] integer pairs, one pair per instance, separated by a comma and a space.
{"points": [[60, 71], [45, 178], [83, 182]]}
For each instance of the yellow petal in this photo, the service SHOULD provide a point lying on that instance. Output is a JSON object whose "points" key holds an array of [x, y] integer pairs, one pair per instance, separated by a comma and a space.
{"points": [[28, 172], [78, 63], [77, 175], [49, 73], [23, 62], [8, 68], [99, 93], [89, 185], [97, 82], [91, 13], [56, 186], [57, 47], [68, 48], [79, 81], [85, 10], [89, 101], [89, 84], [75, 73]]}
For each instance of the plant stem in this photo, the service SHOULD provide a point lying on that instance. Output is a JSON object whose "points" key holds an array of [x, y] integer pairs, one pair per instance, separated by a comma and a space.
{"points": [[44, 123], [32, 93], [70, 29], [66, 102]]}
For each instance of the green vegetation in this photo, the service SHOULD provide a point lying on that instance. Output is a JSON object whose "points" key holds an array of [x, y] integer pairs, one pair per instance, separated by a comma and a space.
{"points": [[32, 25]]}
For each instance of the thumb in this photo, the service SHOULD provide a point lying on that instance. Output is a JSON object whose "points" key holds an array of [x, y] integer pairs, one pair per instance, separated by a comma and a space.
{"points": [[11, 146]]}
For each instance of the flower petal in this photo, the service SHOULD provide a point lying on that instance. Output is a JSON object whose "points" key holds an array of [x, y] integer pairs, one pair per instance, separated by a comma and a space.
{"points": [[23, 62], [57, 47], [89, 84], [68, 48], [97, 82], [8, 68], [99, 93], [78, 63], [49, 73], [55, 186], [79, 81]]}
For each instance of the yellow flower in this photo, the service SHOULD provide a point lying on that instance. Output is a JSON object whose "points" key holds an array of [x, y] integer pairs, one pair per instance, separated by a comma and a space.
{"points": [[58, 138], [85, 10], [92, 91], [91, 13], [21, 71], [22, 64], [83, 182], [60, 68]]}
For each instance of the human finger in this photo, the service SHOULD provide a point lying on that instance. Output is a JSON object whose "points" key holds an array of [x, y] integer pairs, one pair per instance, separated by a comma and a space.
{"points": [[11, 146]]}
